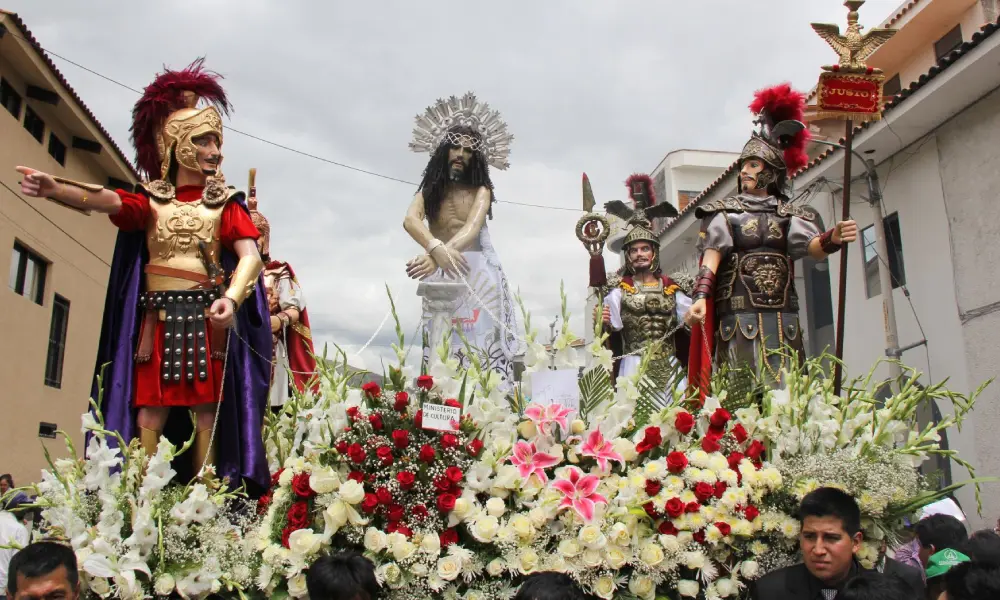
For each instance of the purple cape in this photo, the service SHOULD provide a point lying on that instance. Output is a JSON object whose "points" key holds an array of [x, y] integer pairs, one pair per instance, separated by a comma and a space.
{"points": [[239, 446]]}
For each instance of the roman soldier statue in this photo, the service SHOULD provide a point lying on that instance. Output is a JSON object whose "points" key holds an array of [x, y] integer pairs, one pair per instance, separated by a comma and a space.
{"points": [[642, 307], [182, 325], [745, 303], [290, 333], [447, 218]]}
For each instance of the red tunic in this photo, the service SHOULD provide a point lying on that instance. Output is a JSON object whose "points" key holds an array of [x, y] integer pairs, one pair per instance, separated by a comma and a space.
{"points": [[150, 389]]}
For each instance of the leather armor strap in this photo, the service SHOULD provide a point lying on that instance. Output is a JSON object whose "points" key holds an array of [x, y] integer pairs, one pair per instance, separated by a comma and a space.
{"points": [[826, 242], [705, 284], [184, 332], [201, 279]]}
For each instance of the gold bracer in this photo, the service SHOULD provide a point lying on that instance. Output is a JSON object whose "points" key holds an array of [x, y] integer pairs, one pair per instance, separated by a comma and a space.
{"points": [[90, 187], [243, 279]]}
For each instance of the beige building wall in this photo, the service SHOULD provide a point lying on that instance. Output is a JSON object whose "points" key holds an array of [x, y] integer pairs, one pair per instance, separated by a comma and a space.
{"points": [[78, 250]]}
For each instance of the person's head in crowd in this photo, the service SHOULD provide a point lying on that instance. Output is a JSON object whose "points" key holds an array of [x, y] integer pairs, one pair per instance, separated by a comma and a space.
{"points": [[43, 570], [550, 586], [830, 534], [347, 576], [6, 483], [871, 585], [983, 547], [972, 581], [937, 533]]}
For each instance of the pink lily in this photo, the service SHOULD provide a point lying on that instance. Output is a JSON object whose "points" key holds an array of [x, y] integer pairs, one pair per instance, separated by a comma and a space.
{"points": [[529, 460], [545, 416], [580, 493], [599, 448]]}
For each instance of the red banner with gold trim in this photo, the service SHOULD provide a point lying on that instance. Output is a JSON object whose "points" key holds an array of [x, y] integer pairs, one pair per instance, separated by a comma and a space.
{"points": [[856, 96]]}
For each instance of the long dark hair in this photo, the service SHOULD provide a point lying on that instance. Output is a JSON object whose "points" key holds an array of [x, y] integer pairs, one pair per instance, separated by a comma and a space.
{"points": [[437, 177]]}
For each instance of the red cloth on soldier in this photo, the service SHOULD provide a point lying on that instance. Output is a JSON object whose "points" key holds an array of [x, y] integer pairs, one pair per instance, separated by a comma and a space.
{"points": [[150, 389]]}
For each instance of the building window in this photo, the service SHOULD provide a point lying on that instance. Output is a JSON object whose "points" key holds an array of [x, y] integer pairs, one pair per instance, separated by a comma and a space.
{"points": [[27, 273], [34, 124], [57, 149], [891, 87], [10, 99], [949, 43], [57, 342], [685, 197], [873, 262]]}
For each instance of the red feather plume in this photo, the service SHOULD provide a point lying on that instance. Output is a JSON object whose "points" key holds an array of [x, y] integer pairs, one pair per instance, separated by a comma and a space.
{"points": [[782, 103], [647, 183], [164, 96]]}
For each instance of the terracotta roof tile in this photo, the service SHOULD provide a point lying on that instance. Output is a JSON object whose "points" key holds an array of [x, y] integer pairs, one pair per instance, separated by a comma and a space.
{"points": [[27, 35]]}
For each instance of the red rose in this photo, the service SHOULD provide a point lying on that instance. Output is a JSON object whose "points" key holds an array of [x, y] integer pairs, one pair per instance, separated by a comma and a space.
{"points": [[352, 412], [449, 440], [419, 512], [402, 401], [357, 476], [452, 403], [446, 503], [724, 528], [287, 531], [650, 509], [383, 495], [370, 503], [710, 443], [692, 507], [404, 530], [448, 537], [704, 491], [372, 389], [277, 476], [425, 382], [734, 460], [384, 454], [740, 433], [675, 507], [751, 512], [298, 515], [300, 485], [405, 480], [684, 422], [392, 527], [716, 432], [396, 512], [418, 419], [263, 503], [401, 438], [720, 417], [720, 488], [474, 447], [376, 421], [676, 462], [755, 450], [651, 440], [667, 528], [341, 447], [357, 453], [653, 487], [442, 484], [427, 454], [454, 474], [699, 536]]}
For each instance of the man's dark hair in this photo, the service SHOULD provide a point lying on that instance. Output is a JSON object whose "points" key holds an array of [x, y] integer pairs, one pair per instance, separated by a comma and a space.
{"points": [[437, 174], [983, 547], [347, 576], [550, 586], [39, 559], [831, 502], [972, 581], [941, 532], [872, 585]]}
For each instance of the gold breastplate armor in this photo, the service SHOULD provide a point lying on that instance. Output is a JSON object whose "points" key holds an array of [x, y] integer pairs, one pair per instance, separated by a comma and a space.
{"points": [[647, 316], [172, 236]]}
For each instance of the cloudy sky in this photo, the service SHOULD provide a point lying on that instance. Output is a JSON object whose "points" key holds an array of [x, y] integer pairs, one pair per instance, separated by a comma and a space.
{"points": [[606, 87]]}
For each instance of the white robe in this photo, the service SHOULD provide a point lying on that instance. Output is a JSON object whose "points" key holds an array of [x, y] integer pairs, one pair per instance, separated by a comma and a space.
{"points": [[289, 296]]}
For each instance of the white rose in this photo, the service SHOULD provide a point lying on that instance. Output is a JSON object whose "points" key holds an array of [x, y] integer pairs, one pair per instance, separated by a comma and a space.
{"points": [[591, 537], [390, 573], [527, 561], [297, 586], [485, 528], [164, 584], [352, 492], [725, 587], [625, 448], [495, 568], [569, 548], [615, 557], [304, 542], [651, 554], [522, 527], [431, 544], [335, 515], [688, 588], [642, 586], [403, 550], [592, 558], [463, 507], [285, 479], [449, 568], [693, 560], [605, 588], [100, 586], [620, 535], [495, 507], [323, 481], [538, 517], [375, 540]]}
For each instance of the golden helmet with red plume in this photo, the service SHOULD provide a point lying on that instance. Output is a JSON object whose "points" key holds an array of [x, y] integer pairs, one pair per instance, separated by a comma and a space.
{"points": [[782, 138], [166, 119]]}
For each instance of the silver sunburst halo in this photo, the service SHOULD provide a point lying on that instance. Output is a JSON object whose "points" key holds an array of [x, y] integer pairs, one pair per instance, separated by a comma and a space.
{"points": [[432, 127]]}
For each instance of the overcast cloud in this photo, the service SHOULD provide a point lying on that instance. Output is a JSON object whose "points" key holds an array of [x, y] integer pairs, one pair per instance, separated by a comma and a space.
{"points": [[598, 86]]}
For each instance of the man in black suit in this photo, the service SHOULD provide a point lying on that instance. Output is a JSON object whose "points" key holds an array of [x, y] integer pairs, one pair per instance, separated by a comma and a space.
{"points": [[830, 537]]}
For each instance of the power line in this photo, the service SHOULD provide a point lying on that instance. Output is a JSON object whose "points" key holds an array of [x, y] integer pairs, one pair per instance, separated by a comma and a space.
{"points": [[279, 145]]}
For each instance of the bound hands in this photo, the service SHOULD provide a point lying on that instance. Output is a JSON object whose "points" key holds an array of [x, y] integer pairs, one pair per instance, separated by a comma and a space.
{"points": [[697, 312], [448, 259], [36, 184]]}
